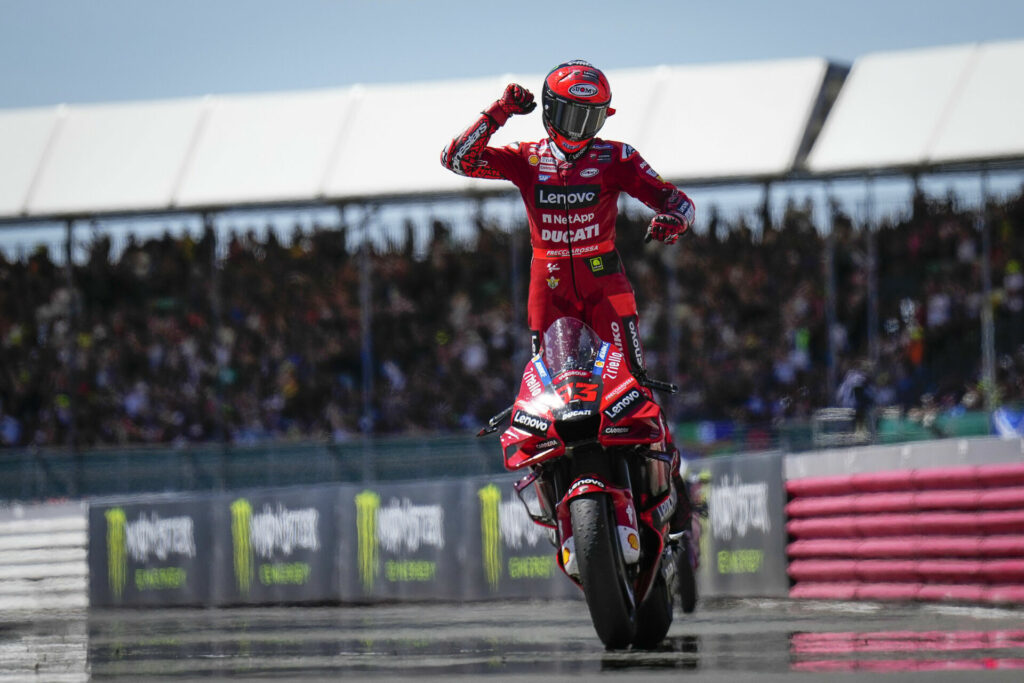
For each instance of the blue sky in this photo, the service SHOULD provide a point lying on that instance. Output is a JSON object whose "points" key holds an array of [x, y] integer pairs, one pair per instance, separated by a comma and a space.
{"points": [[76, 51]]}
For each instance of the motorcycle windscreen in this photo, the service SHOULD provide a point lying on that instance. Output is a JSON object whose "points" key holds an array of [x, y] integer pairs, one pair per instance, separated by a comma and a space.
{"points": [[570, 344]]}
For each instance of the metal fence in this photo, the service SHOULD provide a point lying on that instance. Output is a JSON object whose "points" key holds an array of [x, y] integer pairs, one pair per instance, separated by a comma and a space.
{"points": [[44, 474], [49, 474]]}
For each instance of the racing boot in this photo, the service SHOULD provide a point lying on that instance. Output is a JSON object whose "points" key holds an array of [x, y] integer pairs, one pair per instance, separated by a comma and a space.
{"points": [[684, 536], [683, 523], [681, 517]]}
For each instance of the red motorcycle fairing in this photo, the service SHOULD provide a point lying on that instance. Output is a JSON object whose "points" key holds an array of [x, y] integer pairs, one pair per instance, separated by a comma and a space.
{"points": [[625, 519], [627, 412], [588, 405]]}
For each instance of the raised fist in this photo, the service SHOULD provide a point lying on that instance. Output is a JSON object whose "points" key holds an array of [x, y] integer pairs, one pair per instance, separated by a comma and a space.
{"points": [[516, 100], [666, 227]]}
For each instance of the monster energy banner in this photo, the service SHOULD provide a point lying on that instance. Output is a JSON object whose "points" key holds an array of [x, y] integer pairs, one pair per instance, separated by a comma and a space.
{"points": [[511, 555], [744, 538], [150, 553], [283, 547], [410, 541]]}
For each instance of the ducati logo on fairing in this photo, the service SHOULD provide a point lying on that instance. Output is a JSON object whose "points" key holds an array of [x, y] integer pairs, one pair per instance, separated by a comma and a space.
{"points": [[530, 423], [624, 405]]}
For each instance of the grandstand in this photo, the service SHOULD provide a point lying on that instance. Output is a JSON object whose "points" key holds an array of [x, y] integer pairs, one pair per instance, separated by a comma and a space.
{"points": [[279, 339]]}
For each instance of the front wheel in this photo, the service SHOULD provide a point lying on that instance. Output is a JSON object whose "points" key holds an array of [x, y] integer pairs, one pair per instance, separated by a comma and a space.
{"points": [[603, 574]]}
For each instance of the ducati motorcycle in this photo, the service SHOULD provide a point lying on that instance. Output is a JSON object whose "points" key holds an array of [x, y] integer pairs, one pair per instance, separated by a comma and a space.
{"points": [[598, 464]]}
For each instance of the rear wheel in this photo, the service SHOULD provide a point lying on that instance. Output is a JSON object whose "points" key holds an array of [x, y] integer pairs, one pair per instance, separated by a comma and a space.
{"points": [[603, 574], [687, 581], [654, 616]]}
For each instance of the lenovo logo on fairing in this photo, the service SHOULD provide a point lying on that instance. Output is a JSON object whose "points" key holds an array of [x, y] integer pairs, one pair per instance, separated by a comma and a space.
{"points": [[530, 423], [571, 196], [621, 407]]}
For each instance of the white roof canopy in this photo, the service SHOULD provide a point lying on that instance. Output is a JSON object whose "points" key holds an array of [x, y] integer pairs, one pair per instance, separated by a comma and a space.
{"points": [[265, 148], [926, 107], [692, 123], [986, 120], [124, 157], [24, 135]]}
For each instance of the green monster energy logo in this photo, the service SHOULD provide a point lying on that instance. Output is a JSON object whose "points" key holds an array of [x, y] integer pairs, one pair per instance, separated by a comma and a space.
{"points": [[241, 543], [490, 532], [367, 504], [117, 559]]}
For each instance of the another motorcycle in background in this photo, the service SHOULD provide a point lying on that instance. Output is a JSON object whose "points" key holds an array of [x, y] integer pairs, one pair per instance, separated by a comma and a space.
{"points": [[599, 463], [689, 538]]}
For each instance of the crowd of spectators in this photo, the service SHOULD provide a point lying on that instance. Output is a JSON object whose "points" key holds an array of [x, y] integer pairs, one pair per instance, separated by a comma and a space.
{"points": [[176, 341]]}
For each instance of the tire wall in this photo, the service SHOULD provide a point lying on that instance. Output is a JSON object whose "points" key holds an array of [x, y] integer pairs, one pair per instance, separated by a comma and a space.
{"points": [[934, 521]]}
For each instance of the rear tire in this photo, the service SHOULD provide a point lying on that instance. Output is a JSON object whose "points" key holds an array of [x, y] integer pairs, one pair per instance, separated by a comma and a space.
{"points": [[654, 616], [603, 574], [687, 585]]}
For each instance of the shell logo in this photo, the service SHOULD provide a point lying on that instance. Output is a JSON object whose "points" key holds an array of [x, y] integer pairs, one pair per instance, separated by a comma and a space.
{"points": [[566, 556], [633, 541]]}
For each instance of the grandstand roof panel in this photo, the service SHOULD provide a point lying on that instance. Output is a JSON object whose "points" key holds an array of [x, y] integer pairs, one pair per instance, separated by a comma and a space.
{"points": [[24, 135], [732, 120], [986, 119], [116, 157], [725, 122], [890, 109], [393, 137], [264, 148]]}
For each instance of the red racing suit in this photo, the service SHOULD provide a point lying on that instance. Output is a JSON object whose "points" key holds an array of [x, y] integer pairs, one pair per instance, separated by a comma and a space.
{"points": [[572, 207]]}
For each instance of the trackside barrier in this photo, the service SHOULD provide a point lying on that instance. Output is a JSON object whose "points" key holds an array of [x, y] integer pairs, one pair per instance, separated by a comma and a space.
{"points": [[459, 539], [451, 539], [941, 533], [43, 557], [744, 537], [907, 522]]}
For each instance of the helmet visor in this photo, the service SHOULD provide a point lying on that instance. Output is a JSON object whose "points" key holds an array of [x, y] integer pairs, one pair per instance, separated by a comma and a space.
{"points": [[574, 120]]}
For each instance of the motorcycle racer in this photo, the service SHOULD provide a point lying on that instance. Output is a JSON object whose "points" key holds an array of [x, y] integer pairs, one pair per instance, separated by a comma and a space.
{"points": [[570, 183]]}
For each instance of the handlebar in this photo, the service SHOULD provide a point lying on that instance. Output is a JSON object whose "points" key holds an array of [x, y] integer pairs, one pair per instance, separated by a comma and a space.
{"points": [[495, 422], [658, 385]]}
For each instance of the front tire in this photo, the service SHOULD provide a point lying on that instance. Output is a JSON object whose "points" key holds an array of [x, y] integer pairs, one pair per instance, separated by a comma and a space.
{"points": [[606, 584]]}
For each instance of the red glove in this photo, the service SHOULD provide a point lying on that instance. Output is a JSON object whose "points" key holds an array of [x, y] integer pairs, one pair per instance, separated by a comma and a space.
{"points": [[516, 100], [666, 227]]}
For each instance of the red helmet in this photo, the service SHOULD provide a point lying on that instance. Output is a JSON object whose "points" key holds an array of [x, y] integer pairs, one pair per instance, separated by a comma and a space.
{"points": [[576, 98]]}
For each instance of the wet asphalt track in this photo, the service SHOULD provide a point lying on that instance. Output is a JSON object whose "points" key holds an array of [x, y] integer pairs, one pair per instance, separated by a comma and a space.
{"points": [[737, 640]]}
